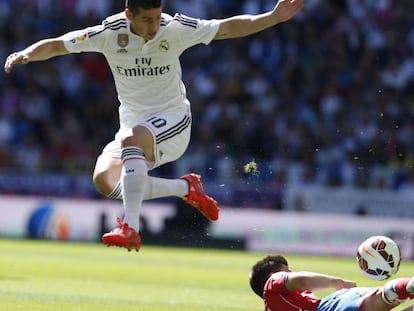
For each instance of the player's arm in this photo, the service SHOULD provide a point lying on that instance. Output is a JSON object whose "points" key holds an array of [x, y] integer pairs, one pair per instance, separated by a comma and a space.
{"points": [[244, 25], [315, 281], [41, 50]]}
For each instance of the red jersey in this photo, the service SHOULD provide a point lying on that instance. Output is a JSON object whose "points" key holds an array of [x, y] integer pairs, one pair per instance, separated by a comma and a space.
{"points": [[278, 298]]}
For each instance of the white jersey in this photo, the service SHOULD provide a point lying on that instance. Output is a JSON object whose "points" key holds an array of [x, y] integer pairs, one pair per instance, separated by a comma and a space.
{"points": [[147, 74]]}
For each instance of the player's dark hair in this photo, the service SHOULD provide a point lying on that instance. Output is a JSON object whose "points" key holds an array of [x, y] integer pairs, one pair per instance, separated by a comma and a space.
{"points": [[136, 5], [263, 269]]}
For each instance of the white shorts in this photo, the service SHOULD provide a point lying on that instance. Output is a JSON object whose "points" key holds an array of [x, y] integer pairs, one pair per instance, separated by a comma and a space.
{"points": [[171, 131]]}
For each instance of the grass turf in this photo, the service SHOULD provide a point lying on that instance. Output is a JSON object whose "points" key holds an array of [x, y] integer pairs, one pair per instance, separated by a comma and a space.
{"points": [[44, 275]]}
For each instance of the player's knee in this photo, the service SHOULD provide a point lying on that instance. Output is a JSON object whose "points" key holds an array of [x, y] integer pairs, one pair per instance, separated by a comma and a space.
{"points": [[102, 184]]}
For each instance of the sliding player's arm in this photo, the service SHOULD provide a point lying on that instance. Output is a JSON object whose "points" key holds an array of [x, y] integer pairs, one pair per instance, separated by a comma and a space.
{"points": [[244, 25], [39, 51], [315, 281]]}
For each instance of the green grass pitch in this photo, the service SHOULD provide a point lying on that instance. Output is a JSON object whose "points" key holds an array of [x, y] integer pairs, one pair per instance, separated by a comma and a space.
{"points": [[59, 276]]}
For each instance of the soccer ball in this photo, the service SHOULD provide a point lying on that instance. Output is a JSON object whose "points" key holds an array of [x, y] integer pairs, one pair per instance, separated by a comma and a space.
{"points": [[379, 257]]}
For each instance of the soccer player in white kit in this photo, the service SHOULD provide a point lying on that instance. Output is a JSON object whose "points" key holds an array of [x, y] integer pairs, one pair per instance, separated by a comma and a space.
{"points": [[142, 46]]}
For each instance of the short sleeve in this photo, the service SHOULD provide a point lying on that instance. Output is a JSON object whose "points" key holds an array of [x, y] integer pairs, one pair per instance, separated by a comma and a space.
{"points": [[90, 39], [195, 31]]}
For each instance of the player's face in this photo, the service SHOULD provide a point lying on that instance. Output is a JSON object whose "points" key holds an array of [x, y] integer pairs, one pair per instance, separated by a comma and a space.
{"points": [[146, 23]]}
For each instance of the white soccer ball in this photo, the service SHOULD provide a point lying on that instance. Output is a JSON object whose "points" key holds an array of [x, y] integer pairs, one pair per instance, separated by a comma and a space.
{"points": [[379, 257]]}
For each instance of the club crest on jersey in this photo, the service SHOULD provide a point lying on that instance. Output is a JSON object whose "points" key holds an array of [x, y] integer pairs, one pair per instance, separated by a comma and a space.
{"points": [[164, 46]]}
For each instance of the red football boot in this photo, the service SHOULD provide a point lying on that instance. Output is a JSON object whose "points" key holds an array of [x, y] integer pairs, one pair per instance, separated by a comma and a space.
{"points": [[198, 199], [124, 236]]}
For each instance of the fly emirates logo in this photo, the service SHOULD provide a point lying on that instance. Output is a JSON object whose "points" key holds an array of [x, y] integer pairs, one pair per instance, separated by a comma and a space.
{"points": [[143, 68]]}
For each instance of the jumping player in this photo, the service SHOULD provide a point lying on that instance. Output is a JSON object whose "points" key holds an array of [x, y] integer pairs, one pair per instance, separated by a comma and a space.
{"points": [[142, 46], [282, 289]]}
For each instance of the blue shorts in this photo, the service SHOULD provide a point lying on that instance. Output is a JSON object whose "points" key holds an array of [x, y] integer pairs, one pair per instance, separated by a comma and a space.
{"points": [[345, 299]]}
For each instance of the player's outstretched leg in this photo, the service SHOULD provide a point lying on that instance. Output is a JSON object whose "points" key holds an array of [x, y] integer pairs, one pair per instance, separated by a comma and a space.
{"points": [[124, 236], [398, 290], [198, 199]]}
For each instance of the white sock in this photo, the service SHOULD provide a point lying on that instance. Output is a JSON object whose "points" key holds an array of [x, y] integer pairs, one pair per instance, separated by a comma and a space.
{"points": [[133, 184], [162, 187], [157, 188]]}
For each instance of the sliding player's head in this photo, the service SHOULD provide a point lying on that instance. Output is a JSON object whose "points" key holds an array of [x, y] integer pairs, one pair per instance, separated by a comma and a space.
{"points": [[263, 269]]}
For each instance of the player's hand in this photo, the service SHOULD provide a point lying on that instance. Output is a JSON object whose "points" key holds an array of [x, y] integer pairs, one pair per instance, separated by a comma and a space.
{"points": [[286, 9], [15, 58]]}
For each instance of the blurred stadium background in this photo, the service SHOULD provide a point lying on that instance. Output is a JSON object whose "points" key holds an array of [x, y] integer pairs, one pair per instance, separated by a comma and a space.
{"points": [[324, 104]]}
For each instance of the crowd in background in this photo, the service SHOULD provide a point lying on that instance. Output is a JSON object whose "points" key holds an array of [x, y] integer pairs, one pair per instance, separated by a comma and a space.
{"points": [[327, 98]]}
